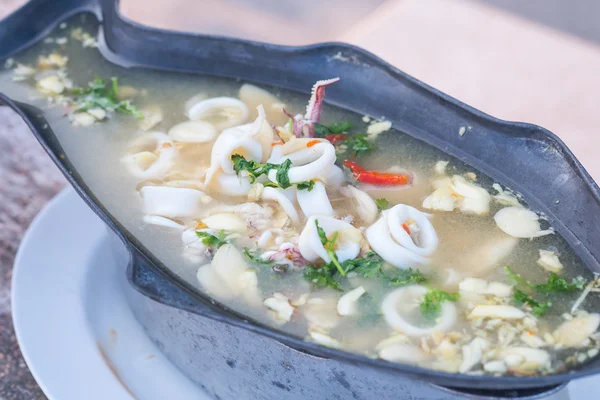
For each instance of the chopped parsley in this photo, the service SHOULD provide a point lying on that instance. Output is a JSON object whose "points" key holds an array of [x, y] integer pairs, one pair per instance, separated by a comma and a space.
{"points": [[554, 284], [282, 175], [431, 306], [307, 185], [382, 204], [538, 308], [369, 267], [322, 277], [256, 259], [99, 94], [329, 245], [324, 130], [212, 240], [359, 144], [256, 169]]}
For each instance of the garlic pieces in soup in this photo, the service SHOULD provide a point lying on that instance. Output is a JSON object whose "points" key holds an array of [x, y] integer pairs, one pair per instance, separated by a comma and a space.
{"points": [[286, 222], [328, 225]]}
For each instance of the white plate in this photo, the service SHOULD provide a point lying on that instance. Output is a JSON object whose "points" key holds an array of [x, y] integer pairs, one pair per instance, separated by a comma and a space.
{"points": [[76, 331]]}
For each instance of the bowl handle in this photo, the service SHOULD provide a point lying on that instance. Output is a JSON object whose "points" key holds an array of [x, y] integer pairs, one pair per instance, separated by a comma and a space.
{"points": [[35, 18]]}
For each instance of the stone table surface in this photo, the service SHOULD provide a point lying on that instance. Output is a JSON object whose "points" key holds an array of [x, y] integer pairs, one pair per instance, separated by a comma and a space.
{"points": [[495, 61]]}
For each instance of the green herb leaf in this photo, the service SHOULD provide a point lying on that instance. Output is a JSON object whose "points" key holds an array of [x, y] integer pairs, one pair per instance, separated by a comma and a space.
{"points": [[322, 277], [256, 169], [329, 245], [256, 259], [431, 306], [321, 130], [371, 267], [306, 185], [558, 284], [340, 127], [359, 145], [282, 176], [100, 95], [538, 308], [554, 283], [382, 204], [405, 277], [324, 130], [212, 240]]}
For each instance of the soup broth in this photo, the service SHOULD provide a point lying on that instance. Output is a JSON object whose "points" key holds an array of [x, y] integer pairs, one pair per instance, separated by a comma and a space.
{"points": [[329, 225]]}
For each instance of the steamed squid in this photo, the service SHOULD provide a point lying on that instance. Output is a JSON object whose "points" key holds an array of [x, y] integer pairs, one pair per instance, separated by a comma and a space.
{"points": [[403, 237]]}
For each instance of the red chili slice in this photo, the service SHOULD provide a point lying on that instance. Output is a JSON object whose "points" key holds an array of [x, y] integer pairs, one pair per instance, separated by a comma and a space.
{"points": [[374, 177], [336, 138]]}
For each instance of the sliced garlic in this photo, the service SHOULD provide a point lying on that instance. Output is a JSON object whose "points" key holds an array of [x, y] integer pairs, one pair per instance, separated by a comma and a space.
{"points": [[162, 221], [324, 339], [549, 261], [532, 358], [472, 354], [481, 286], [403, 353], [496, 311], [379, 127], [347, 303], [51, 85], [440, 167], [281, 306], [520, 223], [226, 221], [153, 115], [573, 333]]}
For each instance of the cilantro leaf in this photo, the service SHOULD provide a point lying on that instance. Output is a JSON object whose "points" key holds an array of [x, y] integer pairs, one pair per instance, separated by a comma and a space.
{"points": [[558, 284], [405, 277], [282, 176], [382, 204], [322, 277], [538, 308], [306, 185], [256, 169], [321, 130], [431, 306], [212, 240], [256, 259], [553, 284], [371, 267], [358, 144], [329, 245], [100, 95], [340, 127], [324, 130]]}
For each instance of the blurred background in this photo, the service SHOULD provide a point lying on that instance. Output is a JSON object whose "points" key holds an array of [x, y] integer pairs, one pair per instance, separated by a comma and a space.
{"points": [[527, 60]]}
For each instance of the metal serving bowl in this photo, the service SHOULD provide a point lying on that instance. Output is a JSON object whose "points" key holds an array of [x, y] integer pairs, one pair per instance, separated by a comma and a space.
{"points": [[233, 356]]}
